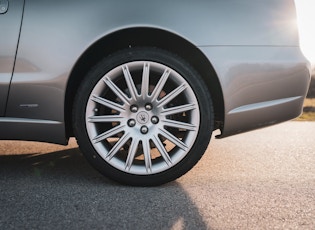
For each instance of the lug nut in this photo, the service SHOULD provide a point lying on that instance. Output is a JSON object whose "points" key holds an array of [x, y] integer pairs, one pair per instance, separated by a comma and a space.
{"points": [[144, 129], [155, 120], [134, 108], [148, 106], [131, 123]]}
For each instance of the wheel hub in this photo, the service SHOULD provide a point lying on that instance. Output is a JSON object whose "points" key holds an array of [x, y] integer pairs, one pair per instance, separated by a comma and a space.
{"points": [[143, 117]]}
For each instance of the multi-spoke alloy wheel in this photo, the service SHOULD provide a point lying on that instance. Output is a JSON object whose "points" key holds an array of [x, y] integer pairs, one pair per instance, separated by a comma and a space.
{"points": [[141, 115]]}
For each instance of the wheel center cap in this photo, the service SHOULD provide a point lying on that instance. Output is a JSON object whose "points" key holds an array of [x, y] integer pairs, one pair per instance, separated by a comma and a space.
{"points": [[143, 117]]}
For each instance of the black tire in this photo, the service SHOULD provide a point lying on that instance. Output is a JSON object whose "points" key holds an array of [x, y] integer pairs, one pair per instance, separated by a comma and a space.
{"points": [[143, 116]]}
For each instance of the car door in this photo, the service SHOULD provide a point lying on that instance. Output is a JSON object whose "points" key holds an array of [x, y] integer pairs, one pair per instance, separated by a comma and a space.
{"points": [[10, 22]]}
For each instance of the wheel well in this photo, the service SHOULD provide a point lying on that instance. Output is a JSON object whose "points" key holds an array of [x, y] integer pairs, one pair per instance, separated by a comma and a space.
{"points": [[144, 37]]}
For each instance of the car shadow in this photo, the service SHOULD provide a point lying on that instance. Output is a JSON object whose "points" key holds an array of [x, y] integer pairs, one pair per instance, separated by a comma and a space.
{"points": [[59, 190]]}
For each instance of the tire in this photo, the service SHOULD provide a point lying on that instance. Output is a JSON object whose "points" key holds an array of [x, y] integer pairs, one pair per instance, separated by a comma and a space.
{"points": [[143, 117]]}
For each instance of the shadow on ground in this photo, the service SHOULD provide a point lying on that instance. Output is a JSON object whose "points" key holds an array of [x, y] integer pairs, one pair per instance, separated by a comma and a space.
{"points": [[60, 190]]}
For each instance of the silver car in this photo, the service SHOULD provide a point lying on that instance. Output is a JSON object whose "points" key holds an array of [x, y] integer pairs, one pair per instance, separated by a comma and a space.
{"points": [[143, 84]]}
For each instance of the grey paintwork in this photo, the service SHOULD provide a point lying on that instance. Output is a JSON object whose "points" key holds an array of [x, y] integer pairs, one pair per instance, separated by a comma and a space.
{"points": [[251, 45], [9, 33]]}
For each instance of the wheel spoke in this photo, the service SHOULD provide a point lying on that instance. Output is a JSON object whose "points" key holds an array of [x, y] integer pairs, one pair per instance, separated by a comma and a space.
{"points": [[130, 83], [122, 96], [106, 118], [108, 103], [169, 97], [159, 145], [131, 153], [147, 155], [179, 125], [173, 139], [145, 80], [159, 86], [108, 133], [178, 109], [118, 146]]}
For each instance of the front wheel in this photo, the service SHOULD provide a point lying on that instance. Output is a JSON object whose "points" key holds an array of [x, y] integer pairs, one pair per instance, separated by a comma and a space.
{"points": [[143, 116]]}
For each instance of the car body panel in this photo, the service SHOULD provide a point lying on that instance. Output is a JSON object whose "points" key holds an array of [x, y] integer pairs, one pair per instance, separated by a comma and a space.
{"points": [[262, 85], [253, 48], [10, 22]]}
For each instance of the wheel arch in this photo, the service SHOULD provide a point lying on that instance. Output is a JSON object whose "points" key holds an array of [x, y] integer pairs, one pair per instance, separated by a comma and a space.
{"points": [[143, 36]]}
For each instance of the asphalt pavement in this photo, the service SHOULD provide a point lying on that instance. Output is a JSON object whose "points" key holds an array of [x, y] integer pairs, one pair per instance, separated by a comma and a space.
{"points": [[263, 179]]}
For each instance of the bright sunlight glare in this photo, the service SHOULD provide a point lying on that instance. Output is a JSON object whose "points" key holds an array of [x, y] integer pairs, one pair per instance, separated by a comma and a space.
{"points": [[306, 23]]}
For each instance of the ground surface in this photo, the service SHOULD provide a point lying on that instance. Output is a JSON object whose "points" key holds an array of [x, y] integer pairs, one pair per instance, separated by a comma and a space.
{"points": [[259, 180]]}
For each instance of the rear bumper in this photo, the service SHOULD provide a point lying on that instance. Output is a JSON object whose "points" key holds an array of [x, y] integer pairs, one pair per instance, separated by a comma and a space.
{"points": [[261, 85]]}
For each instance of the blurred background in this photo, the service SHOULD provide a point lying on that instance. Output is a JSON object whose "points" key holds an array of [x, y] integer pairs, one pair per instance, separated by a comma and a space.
{"points": [[306, 24]]}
